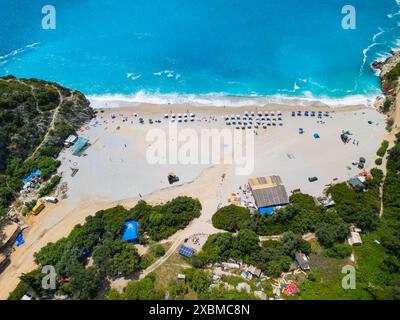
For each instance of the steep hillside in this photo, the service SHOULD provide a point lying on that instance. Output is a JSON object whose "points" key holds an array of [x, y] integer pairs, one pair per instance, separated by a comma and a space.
{"points": [[389, 75], [35, 118]]}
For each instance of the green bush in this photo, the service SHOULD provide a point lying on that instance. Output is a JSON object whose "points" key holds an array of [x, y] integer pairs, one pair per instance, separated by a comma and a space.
{"points": [[383, 148], [230, 218], [158, 250], [393, 74], [378, 161], [19, 291], [49, 186], [330, 233], [339, 250], [161, 221]]}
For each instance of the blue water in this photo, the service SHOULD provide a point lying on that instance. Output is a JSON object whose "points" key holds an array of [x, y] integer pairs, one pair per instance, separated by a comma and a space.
{"points": [[236, 47]]}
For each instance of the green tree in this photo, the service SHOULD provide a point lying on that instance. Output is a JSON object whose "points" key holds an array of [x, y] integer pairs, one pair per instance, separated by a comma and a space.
{"points": [[142, 290], [330, 233], [198, 280], [230, 218], [293, 243]]}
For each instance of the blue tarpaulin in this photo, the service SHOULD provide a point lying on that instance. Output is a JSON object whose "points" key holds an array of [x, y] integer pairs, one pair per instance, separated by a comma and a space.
{"points": [[269, 211], [36, 173], [20, 239], [186, 251], [130, 233], [316, 135]]}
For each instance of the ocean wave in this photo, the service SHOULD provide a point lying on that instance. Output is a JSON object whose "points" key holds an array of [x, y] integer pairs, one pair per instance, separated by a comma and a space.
{"points": [[18, 51], [224, 100], [132, 76]]}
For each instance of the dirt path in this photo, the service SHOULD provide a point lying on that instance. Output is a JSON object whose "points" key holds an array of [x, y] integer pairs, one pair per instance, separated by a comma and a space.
{"points": [[52, 124]]}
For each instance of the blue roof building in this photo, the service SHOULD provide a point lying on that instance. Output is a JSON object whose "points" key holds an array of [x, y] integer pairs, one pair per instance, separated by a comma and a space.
{"points": [[130, 233]]}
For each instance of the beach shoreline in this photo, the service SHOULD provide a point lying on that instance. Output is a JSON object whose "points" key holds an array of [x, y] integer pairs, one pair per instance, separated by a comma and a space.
{"points": [[237, 102], [121, 107]]}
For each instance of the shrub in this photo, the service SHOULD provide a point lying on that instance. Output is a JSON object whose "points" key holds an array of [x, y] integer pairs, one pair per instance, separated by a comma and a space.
{"points": [[383, 148], [339, 250], [158, 250], [378, 161], [330, 233], [49, 186], [230, 218]]}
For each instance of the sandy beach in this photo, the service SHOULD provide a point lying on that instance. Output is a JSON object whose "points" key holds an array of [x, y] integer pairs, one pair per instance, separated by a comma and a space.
{"points": [[114, 169]]}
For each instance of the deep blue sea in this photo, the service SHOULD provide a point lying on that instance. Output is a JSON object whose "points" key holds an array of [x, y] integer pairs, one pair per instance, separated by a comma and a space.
{"points": [[200, 50]]}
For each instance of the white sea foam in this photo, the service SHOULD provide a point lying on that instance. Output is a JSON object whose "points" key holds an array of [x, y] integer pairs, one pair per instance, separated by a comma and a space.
{"points": [[221, 100], [18, 51], [132, 76]]}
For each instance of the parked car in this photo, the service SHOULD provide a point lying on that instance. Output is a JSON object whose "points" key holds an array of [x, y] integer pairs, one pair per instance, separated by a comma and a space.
{"points": [[312, 179]]}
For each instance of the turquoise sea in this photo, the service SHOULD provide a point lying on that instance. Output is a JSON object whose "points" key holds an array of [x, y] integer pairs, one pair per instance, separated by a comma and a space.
{"points": [[201, 50]]}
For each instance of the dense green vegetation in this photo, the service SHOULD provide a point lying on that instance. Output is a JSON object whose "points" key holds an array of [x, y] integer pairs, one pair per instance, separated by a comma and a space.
{"points": [[26, 110], [274, 257], [300, 217], [49, 186], [137, 290], [17, 169], [393, 74], [94, 252], [230, 218], [383, 148], [378, 264], [339, 250], [357, 206], [161, 221], [333, 232], [389, 228]]}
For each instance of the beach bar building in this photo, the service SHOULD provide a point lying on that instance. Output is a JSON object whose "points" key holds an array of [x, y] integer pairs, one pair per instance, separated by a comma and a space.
{"points": [[269, 193], [131, 231]]}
